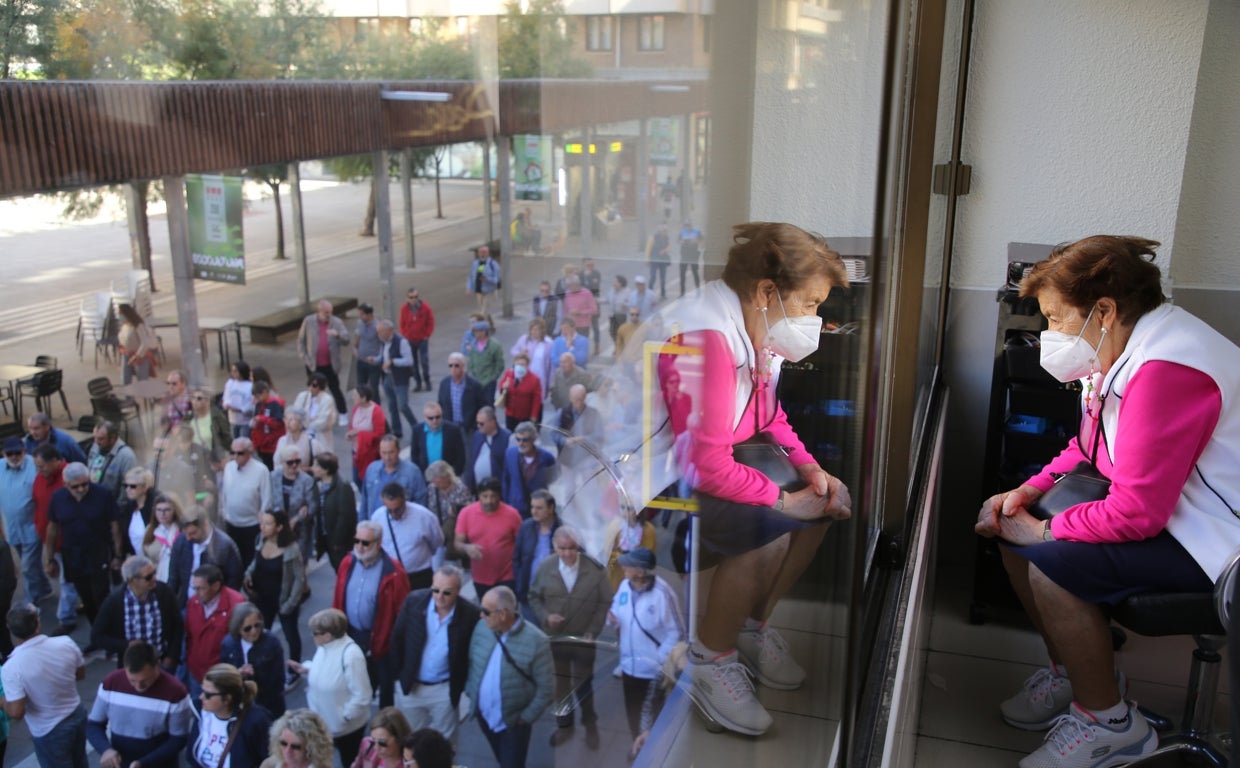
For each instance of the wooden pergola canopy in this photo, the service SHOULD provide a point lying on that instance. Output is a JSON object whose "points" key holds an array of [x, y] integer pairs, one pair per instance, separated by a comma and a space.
{"points": [[57, 135]]}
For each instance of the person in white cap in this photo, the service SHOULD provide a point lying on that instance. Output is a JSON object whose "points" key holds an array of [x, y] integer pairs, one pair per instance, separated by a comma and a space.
{"points": [[641, 298]]}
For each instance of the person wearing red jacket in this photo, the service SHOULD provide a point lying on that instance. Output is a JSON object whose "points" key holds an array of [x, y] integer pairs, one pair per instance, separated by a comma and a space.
{"points": [[370, 589], [522, 392], [206, 623], [267, 426], [417, 324]]}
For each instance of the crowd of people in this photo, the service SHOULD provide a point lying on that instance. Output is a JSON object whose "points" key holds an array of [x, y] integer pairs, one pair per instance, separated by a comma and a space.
{"points": [[183, 564]]}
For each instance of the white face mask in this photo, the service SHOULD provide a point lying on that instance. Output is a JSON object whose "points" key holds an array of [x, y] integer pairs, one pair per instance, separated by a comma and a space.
{"points": [[1069, 358], [793, 338]]}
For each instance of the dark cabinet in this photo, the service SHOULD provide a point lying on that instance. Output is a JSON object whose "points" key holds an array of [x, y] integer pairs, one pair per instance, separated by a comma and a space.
{"points": [[1032, 416]]}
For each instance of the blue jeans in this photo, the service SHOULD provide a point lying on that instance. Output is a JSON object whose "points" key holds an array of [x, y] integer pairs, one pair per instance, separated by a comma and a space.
{"points": [[37, 584], [421, 362], [509, 745], [65, 744], [397, 398]]}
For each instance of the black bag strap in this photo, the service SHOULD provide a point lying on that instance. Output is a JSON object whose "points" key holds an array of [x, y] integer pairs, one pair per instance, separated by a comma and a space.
{"points": [[653, 639], [395, 541], [508, 657]]}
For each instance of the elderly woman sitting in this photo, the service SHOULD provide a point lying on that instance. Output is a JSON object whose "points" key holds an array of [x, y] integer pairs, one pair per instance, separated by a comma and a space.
{"points": [[258, 655]]}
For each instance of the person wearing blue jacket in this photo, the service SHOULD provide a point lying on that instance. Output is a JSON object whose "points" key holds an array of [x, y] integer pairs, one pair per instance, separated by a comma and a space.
{"points": [[527, 468], [534, 544], [41, 431], [390, 468], [487, 447]]}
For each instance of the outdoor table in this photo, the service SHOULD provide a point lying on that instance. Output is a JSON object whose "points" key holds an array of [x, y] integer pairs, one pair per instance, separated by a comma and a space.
{"points": [[220, 326], [12, 374]]}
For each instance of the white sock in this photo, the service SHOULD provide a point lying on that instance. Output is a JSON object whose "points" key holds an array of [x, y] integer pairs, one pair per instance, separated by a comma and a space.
{"points": [[753, 625], [1115, 717], [700, 654], [1058, 671]]}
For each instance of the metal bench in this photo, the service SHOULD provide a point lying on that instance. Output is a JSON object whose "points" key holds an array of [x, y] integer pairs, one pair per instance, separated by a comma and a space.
{"points": [[267, 329]]}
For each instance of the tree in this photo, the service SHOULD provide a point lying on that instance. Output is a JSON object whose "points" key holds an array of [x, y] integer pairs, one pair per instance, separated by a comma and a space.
{"points": [[26, 29], [535, 42], [273, 176]]}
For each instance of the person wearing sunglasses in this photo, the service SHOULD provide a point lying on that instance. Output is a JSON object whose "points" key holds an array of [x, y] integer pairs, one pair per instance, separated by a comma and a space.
{"points": [[292, 492], [430, 651], [83, 525], [143, 609], [206, 622], [438, 437], [300, 739], [137, 507], [141, 714], [201, 544], [383, 748], [486, 447], [17, 503], [257, 654], [527, 468], [510, 676], [320, 411], [232, 725], [460, 394], [245, 491], [370, 588]]}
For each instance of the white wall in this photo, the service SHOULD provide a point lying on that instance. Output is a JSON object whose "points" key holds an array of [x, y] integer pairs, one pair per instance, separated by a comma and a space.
{"points": [[1077, 123], [1207, 234]]}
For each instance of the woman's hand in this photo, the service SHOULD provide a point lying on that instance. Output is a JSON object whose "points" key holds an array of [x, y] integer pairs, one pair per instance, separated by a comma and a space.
{"points": [[1021, 528], [296, 666], [805, 504], [1005, 505], [839, 500]]}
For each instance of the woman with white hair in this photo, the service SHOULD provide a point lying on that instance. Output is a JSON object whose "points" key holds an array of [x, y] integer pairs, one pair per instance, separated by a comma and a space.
{"points": [[292, 492], [137, 508], [338, 684], [297, 434]]}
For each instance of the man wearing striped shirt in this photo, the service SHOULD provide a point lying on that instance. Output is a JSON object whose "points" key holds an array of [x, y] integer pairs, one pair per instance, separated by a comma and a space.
{"points": [[148, 710]]}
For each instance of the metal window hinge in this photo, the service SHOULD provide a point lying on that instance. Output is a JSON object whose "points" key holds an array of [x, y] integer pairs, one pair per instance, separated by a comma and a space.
{"points": [[939, 182]]}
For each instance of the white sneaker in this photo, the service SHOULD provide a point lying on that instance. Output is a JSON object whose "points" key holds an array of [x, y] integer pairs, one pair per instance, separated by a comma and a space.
{"points": [[1044, 699], [766, 653], [1080, 741], [723, 689], [343, 420]]}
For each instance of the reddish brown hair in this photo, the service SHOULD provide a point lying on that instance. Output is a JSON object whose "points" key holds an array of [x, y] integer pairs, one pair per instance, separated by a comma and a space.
{"points": [[784, 253], [1101, 266]]}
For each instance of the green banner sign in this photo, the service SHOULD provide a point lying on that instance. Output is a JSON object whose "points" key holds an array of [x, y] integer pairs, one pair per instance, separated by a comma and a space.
{"points": [[664, 140], [531, 166], [215, 242]]}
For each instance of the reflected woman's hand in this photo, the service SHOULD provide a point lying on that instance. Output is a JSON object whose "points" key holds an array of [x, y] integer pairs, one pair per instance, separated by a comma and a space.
{"points": [[805, 504]]}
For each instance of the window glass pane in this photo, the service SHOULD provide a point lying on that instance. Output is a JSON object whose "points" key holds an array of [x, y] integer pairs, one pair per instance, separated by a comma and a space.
{"points": [[628, 173]]}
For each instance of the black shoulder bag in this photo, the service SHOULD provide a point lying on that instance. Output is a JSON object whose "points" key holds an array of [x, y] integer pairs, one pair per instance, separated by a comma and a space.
{"points": [[762, 453], [1084, 483]]}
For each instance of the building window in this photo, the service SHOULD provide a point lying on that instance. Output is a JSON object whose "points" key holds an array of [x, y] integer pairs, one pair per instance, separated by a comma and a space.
{"points": [[650, 33], [598, 33], [367, 29]]}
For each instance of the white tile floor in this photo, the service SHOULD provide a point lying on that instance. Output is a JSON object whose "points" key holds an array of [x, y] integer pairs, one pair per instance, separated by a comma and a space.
{"points": [[971, 668]]}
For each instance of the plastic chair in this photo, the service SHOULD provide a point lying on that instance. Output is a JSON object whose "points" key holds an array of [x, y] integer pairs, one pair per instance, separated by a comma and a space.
{"points": [[43, 386], [46, 362], [109, 407], [102, 387]]}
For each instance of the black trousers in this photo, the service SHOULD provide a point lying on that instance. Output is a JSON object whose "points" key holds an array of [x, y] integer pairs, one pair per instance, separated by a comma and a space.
{"points": [[246, 536], [643, 700], [574, 670], [92, 589], [349, 744]]}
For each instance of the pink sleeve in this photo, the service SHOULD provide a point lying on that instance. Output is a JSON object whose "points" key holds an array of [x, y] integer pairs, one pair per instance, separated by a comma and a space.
{"points": [[718, 474], [1158, 447]]}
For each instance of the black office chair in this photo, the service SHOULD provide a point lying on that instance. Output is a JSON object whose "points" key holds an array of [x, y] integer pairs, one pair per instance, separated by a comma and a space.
{"points": [[1205, 617], [42, 387]]}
